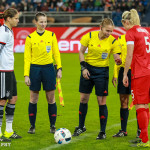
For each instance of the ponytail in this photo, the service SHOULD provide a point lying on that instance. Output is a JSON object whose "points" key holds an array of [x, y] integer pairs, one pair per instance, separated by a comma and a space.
{"points": [[132, 16]]}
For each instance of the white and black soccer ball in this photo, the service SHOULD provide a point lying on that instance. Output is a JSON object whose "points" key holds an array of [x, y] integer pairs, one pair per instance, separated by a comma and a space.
{"points": [[62, 136]]}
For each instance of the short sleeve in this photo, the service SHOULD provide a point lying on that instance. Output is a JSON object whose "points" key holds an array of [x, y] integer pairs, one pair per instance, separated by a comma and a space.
{"points": [[130, 38], [85, 39], [3, 37]]}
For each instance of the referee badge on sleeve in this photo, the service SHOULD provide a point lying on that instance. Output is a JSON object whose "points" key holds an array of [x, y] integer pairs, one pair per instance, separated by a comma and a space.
{"points": [[48, 48]]}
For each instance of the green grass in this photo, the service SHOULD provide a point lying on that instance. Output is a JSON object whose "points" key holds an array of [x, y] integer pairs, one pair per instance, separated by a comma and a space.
{"points": [[68, 115]]}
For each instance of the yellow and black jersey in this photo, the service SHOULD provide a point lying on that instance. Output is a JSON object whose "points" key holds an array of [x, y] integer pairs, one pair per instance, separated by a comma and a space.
{"points": [[40, 50], [123, 45], [99, 50]]}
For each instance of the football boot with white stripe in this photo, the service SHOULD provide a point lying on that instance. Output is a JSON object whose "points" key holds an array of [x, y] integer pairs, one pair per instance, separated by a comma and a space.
{"points": [[101, 136], [12, 135], [78, 131], [120, 134], [4, 139]]}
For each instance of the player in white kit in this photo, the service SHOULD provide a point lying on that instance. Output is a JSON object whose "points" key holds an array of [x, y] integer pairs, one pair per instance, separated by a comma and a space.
{"points": [[8, 87]]}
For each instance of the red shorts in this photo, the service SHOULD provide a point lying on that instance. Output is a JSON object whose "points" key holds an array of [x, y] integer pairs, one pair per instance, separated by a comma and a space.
{"points": [[140, 89]]}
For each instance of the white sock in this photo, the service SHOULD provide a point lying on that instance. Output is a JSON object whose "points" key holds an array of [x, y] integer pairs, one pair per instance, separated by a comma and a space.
{"points": [[0, 131], [9, 127]]}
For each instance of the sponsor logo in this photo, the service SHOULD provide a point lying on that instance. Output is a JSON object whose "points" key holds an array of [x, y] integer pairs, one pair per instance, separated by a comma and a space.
{"points": [[48, 48], [19, 46], [7, 93], [69, 45], [22, 34]]}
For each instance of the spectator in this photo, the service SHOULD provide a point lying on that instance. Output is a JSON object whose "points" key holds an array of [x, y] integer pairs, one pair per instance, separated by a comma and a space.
{"points": [[10, 1], [60, 5], [91, 3], [7, 6], [133, 5], [53, 5], [83, 7], [24, 4], [20, 7], [136, 2], [97, 4], [39, 7], [48, 3], [140, 8], [29, 5], [37, 1], [118, 6], [70, 7], [124, 7], [113, 7], [44, 7], [77, 5], [31, 8], [107, 6], [129, 4], [13, 5]]}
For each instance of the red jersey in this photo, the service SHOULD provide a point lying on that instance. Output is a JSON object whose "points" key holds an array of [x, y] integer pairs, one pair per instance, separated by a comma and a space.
{"points": [[140, 38]]}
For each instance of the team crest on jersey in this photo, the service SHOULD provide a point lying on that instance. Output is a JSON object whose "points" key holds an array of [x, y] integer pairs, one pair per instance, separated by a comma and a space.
{"points": [[99, 45], [48, 48], [41, 41], [104, 55]]}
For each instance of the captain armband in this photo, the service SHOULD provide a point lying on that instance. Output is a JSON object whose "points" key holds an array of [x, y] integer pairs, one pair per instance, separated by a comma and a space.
{"points": [[83, 65]]}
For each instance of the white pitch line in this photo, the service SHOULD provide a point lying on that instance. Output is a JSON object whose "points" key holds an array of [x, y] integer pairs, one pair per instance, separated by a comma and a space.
{"points": [[82, 137]]}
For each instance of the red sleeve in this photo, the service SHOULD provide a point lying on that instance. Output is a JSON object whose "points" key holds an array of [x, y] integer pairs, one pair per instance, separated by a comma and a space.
{"points": [[130, 35]]}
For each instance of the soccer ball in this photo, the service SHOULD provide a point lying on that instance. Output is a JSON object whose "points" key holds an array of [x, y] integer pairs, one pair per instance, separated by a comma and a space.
{"points": [[62, 136]]}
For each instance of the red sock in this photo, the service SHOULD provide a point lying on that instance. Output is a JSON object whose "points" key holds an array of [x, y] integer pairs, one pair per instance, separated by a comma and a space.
{"points": [[143, 123], [148, 114]]}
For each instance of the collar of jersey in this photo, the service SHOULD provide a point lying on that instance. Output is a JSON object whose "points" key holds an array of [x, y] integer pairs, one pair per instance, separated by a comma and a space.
{"points": [[40, 34], [7, 27]]}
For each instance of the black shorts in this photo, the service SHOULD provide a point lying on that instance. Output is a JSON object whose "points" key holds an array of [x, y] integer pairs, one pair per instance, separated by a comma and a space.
{"points": [[121, 89], [99, 77], [8, 85], [44, 74]]}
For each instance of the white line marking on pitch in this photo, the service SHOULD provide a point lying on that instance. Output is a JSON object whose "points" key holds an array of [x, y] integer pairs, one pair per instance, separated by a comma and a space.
{"points": [[82, 137]]}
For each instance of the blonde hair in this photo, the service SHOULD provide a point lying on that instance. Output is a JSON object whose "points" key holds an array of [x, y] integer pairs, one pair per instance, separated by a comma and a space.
{"points": [[132, 16], [106, 21]]}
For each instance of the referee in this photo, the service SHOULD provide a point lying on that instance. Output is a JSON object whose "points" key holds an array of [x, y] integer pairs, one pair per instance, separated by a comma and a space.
{"points": [[40, 47], [95, 72]]}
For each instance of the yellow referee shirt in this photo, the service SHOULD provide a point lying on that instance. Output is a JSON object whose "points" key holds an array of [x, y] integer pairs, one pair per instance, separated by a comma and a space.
{"points": [[123, 44], [99, 50], [40, 50]]}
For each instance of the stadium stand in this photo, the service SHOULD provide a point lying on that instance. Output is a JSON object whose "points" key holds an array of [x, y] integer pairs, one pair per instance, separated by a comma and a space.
{"points": [[115, 7]]}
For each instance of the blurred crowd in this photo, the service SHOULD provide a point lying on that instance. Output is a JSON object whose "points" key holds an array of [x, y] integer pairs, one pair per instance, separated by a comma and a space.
{"points": [[75, 5], [115, 6]]}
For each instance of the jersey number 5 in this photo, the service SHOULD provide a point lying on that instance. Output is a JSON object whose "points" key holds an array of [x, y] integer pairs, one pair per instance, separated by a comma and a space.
{"points": [[147, 43]]}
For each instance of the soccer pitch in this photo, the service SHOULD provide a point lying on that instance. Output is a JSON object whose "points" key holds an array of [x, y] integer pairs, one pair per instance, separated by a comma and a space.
{"points": [[68, 115]]}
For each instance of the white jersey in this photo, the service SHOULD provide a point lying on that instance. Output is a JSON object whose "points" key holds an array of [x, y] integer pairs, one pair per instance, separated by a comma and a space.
{"points": [[6, 49]]}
